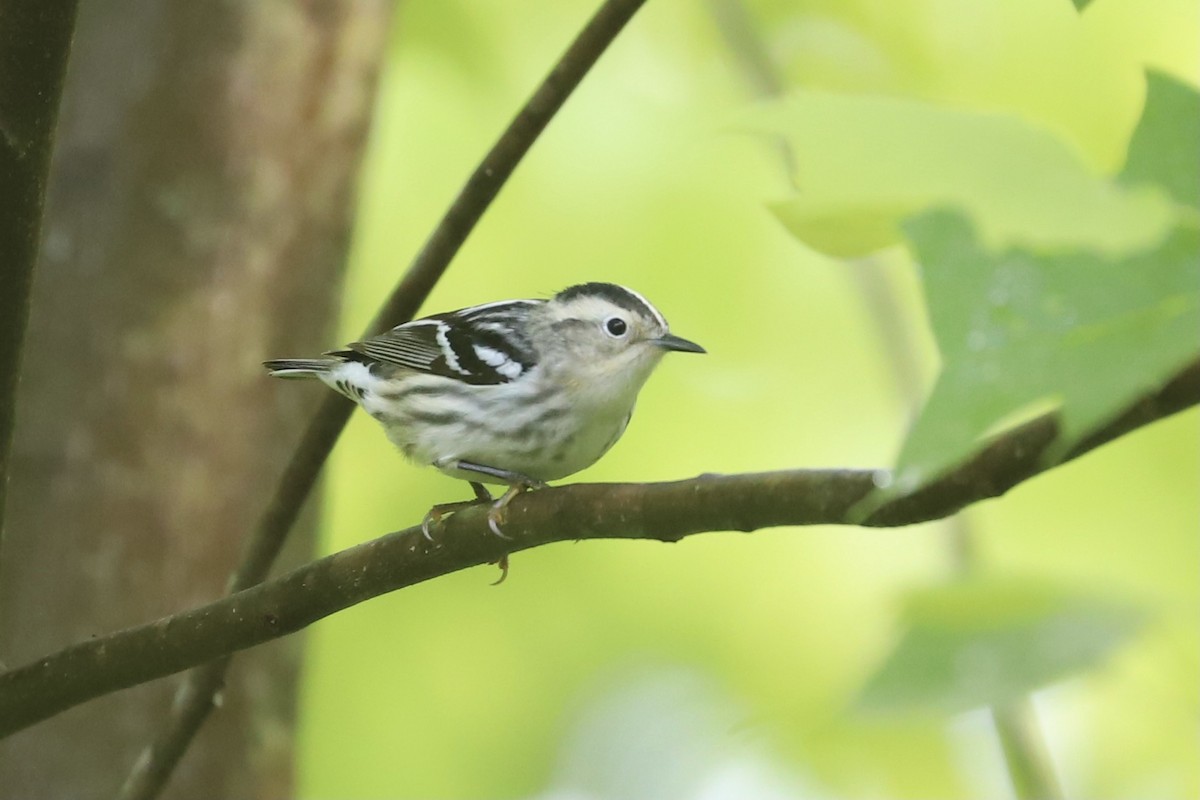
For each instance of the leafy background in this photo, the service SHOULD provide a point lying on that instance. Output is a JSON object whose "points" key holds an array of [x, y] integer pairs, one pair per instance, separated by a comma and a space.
{"points": [[794, 663]]}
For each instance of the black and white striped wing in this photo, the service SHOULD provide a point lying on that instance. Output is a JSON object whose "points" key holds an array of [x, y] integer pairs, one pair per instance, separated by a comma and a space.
{"points": [[478, 345]]}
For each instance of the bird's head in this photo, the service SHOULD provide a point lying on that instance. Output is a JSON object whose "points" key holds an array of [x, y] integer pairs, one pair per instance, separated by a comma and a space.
{"points": [[607, 338]]}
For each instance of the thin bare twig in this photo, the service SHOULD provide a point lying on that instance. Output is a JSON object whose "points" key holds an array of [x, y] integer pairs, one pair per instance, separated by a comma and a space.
{"points": [[195, 697], [657, 511]]}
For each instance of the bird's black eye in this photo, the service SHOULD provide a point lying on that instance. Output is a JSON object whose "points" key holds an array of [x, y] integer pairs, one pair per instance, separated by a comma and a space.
{"points": [[615, 326]]}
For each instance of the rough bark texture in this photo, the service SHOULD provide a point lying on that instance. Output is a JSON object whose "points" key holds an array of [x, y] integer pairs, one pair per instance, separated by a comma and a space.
{"points": [[197, 223]]}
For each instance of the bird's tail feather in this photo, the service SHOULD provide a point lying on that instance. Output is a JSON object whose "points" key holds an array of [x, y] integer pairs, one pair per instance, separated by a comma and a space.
{"points": [[300, 367]]}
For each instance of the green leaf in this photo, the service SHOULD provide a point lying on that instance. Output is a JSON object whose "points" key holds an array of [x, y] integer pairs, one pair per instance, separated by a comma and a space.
{"points": [[864, 164], [1076, 327], [1015, 328], [991, 641], [1165, 150]]}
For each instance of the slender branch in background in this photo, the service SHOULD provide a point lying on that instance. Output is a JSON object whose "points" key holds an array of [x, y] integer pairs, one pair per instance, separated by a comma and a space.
{"points": [[1016, 724], [35, 43], [743, 40], [896, 337], [195, 697], [656, 511], [1024, 748], [750, 52]]}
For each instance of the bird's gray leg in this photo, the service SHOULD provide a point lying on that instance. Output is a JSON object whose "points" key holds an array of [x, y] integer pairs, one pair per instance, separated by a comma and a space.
{"points": [[507, 475], [517, 483]]}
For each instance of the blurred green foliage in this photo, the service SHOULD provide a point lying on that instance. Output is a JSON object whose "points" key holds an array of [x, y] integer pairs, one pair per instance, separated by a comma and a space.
{"points": [[867, 162], [974, 643], [457, 689]]}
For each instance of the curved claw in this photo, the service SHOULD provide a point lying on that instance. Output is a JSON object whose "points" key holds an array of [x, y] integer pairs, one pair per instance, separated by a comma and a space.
{"points": [[495, 516], [502, 562], [430, 517], [434, 515]]}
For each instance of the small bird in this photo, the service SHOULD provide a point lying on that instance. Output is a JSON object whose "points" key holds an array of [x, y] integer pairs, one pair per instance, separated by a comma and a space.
{"points": [[516, 393]]}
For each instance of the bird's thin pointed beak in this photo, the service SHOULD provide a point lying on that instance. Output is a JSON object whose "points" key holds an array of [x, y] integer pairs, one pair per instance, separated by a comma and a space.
{"points": [[673, 342]]}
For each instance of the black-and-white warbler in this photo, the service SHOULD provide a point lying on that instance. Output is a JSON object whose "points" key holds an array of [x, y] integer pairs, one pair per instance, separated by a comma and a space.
{"points": [[518, 392]]}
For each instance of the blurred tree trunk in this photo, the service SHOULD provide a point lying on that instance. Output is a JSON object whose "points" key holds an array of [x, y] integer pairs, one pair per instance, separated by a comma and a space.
{"points": [[197, 223]]}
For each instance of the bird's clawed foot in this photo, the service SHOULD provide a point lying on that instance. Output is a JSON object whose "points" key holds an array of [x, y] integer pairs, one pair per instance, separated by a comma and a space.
{"points": [[517, 484], [434, 515], [495, 515]]}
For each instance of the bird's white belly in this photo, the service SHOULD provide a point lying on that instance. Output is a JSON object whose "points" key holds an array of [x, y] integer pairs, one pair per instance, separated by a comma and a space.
{"points": [[538, 437], [553, 450]]}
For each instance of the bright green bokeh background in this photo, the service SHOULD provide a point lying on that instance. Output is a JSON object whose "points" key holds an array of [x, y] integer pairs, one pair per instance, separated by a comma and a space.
{"points": [[457, 689]]}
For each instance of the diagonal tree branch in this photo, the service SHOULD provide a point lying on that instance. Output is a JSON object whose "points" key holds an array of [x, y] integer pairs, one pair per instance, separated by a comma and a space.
{"points": [[35, 41], [658, 511], [195, 697]]}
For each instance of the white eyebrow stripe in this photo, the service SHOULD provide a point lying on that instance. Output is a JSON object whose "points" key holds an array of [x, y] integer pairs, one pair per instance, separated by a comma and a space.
{"points": [[657, 314]]}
